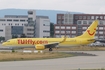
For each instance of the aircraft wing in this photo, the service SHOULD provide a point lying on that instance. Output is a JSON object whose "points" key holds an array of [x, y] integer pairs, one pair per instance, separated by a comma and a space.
{"points": [[52, 45]]}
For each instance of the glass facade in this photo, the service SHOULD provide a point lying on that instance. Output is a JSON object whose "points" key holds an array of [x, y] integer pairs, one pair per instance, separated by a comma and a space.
{"points": [[16, 30]]}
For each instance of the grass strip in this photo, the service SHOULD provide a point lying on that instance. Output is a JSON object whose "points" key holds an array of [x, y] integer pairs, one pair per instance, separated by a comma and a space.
{"points": [[17, 56]]}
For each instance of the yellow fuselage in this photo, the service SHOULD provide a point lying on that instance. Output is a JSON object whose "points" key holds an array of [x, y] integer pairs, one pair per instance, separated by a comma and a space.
{"points": [[35, 41]]}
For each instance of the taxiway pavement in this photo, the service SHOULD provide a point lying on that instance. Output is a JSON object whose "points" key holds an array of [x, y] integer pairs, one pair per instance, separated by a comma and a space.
{"points": [[82, 62]]}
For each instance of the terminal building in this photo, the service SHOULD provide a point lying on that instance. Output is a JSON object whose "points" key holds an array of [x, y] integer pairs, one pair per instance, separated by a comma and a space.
{"points": [[72, 25], [30, 25]]}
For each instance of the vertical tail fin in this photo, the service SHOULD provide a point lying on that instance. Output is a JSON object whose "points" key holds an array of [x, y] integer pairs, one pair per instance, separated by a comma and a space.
{"points": [[91, 31]]}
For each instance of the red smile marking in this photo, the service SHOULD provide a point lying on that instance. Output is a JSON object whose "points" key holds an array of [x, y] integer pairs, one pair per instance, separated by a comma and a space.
{"points": [[91, 33]]}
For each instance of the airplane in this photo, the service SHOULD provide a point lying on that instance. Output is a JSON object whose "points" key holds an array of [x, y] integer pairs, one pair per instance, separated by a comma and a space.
{"points": [[42, 43]]}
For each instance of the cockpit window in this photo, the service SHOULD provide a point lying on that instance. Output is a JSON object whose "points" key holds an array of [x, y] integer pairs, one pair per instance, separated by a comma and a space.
{"points": [[8, 41]]}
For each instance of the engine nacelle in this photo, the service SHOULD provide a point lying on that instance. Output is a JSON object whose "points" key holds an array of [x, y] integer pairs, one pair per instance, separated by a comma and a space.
{"points": [[39, 47]]}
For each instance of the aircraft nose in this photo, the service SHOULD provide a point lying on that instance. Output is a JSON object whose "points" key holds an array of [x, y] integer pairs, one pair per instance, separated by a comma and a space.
{"points": [[3, 44]]}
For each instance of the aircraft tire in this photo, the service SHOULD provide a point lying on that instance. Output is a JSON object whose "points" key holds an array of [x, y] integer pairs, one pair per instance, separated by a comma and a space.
{"points": [[50, 49]]}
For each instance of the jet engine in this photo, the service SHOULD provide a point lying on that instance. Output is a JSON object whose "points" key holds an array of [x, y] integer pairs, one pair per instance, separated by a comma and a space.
{"points": [[39, 47]]}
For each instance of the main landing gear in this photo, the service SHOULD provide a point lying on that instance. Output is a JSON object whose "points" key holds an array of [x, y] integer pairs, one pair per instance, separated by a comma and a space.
{"points": [[50, 49]]}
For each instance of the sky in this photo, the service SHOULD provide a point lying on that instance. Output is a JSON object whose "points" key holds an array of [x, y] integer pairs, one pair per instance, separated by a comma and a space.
{"points": [[84, 6]]}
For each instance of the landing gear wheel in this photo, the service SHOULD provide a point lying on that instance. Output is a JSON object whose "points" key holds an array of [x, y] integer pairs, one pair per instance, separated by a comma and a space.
{"points": [[50, 49]]}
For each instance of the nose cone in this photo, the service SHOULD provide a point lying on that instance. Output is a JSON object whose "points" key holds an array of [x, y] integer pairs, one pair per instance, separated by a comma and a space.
{"points": [[3, 44]]}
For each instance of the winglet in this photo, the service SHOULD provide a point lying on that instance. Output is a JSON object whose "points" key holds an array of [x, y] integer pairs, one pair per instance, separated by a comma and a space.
{"points": [[63, 39]]}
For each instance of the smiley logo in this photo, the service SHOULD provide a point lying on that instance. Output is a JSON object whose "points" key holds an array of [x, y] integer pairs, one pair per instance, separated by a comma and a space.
{"points": [[90, 32]]}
